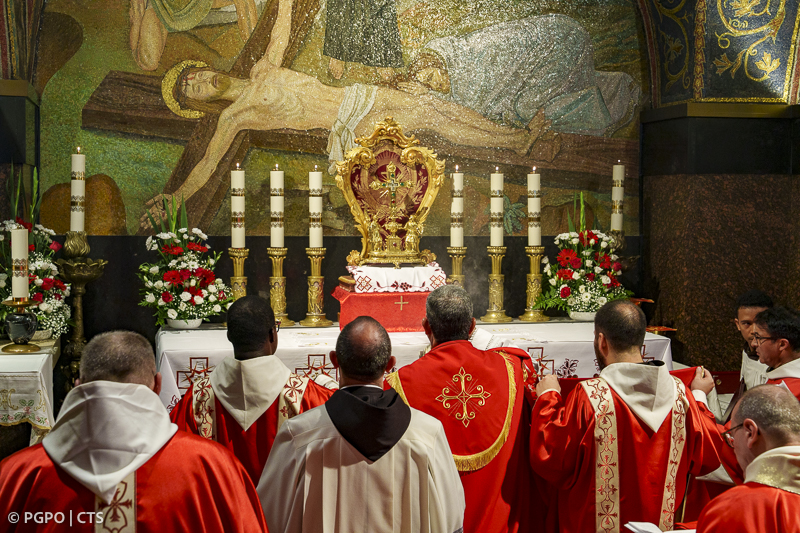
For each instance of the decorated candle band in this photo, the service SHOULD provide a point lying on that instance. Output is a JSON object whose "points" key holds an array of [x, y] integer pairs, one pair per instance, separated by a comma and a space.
{"points": [[458, 193], [496, 220], [78, 175], [534, 220], [534, 193], [19, 268], [497, 193], [457, 219], [315, 220], [618, 183], [276, 192], [314, 192], [276, 219], [77, 204], [237, 192], [237, 219], [616, 207]]}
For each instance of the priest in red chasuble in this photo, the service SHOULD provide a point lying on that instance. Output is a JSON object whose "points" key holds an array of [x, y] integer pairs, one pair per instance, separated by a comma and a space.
{"points": [[620, 447], [114, 462], [479, 397], [245, 400], [766, 439]]}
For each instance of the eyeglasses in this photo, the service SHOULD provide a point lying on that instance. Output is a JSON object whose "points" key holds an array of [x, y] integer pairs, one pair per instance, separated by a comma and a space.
{"points": [[277, 326], [728, 435], [759, 340]]}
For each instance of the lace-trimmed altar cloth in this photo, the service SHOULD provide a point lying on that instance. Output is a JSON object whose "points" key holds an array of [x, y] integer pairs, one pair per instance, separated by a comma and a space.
{"points": [[406, 279]]}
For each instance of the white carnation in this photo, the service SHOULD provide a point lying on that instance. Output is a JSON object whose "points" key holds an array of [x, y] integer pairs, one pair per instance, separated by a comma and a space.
{"points": [[148, 243], [154, 270], [602, 300], [592, 242], [582, 289], [173, 314], [192, 282], [182, 306], [576, 275], [200, 234], [212, 298], [552, 281], [585, 297], [589, 262], [164, 236], [45, 307], [148, 284], [198, 299], [150, 298], [2, 283], [212, 288], [571, 301], [545, 260], [216, 308], [161, 302], [614, 257], [605, 280], [604, 244], [38, 282], [159, 284], [185, 296], [183, 230], [211, 261], [576, 240], [597, 270], [547, 270]]}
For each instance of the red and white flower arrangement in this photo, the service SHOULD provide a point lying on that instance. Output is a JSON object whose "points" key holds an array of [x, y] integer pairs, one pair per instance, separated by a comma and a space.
{"points": [[181, 284], [585, 274], [45, 289]]}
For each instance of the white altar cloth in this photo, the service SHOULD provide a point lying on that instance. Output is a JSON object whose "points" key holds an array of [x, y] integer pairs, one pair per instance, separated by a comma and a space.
{"points": [[564, 348], [389, 279]]}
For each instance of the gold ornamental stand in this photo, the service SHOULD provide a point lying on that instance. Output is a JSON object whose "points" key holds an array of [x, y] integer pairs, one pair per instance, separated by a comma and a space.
{"points": [[496, 313], [78, 270], [535, 254], [277, 287], [19, 305], [457, 255], [315, 317], [238, 280]]}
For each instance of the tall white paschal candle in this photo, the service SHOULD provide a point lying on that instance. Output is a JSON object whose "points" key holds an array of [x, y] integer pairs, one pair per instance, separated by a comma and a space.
{"points": [[496, 210], [315, 209], [457, 210], [534, 209], [237, 208], [617, 197], [276, 207], [19, 263], [77, 203]]}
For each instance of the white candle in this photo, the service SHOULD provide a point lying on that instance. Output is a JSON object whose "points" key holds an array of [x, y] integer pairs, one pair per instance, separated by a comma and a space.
{"points": [[77, 204], [617, 197], [496, 209], [315, 209], [19, 263], [237, 208], [534, 209], [276, 207], [457, 210], [458, 182]]}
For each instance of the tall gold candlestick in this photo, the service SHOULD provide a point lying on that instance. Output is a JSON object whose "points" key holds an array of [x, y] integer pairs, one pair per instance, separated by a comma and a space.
{"points": [[238, 280], [277, 287], [535, 254], [457, 255], [315, 317], [496, 313]]}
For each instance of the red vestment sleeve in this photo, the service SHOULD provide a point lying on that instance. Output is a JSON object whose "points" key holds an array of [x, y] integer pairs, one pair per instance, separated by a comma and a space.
{"points": [[559, 437], [703, 438], [182, 414], [751, 508]]}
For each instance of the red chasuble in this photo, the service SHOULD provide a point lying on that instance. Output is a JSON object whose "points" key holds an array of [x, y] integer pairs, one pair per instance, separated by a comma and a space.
{"points": [[479, 397], [752, 508], [189, 485], [636, 481], [250, 446]]}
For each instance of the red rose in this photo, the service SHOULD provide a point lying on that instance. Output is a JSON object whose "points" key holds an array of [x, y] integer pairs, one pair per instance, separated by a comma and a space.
{"points": [[60, 285], [565, 257], [26, 225], [185, 274], [565, 292], [616, 267], [38, 297], [590, 276], [167, 297], [196, 247], [31, 248], [575, 263], [55, 246], [47, 284], [564, 273]]}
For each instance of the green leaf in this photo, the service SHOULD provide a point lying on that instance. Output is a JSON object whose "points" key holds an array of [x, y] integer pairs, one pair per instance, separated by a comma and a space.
{"points": [[583, 216], [152, 222], [184, 216]]}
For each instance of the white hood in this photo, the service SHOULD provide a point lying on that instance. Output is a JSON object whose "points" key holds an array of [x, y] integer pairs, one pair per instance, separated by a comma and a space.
{"points": [[105, 431], [247, 388], [788, 370], [649, 391]]}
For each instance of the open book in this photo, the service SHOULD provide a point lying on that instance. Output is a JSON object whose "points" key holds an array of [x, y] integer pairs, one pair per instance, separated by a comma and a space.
{"points": [[647, 527]]}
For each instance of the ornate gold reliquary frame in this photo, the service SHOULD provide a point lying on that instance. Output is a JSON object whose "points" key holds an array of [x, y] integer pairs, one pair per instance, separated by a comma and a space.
{"points": [[390, 183]]}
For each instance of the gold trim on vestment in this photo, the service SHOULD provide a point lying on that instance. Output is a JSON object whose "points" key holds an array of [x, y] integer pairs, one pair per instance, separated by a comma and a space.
{"points": [[469, 463]]}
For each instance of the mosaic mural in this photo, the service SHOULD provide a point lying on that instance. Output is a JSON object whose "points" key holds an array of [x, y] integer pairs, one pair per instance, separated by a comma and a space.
{"points": [[165, 96]]}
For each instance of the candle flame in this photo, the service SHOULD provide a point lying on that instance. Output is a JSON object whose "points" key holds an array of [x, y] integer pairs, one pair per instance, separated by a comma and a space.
{"points": [[237, 166], [276, 166], [619, 161], [534, 170], [79, 149], [456, 168], [497, 169], [315, 168]]}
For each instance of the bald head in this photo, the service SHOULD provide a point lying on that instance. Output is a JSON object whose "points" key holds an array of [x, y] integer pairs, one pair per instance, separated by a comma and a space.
{"points": [[623, 323], [363, 349], [121, 356], [775, 411]]}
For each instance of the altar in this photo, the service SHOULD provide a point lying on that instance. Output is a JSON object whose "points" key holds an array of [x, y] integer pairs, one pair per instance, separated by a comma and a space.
{"points": [[564, 348]]}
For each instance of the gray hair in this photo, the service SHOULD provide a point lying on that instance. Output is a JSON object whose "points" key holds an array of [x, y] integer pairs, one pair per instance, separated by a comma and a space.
{"points": [[449, 313], [121, 356], [775, 411]]}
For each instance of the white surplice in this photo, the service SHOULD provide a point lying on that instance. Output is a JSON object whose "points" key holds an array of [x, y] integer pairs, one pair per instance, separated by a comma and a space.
{"points": [[317, 482]]}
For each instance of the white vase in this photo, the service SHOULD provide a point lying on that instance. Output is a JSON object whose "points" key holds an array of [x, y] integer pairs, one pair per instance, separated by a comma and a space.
{"points": [[42, 335], [194, 323], [582, 316]]}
